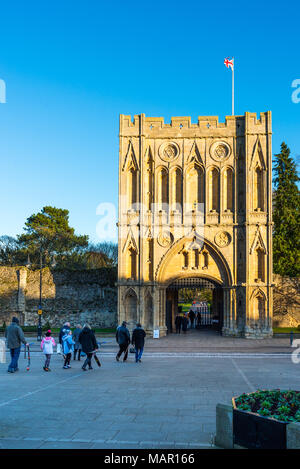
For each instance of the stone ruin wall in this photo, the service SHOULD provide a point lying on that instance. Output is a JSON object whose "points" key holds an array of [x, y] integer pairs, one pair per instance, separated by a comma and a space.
{"points": [[91, 296], [78, 296]]}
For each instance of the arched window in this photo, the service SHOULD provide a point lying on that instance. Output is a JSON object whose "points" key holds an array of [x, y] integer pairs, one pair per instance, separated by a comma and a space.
{"points": [[213, 190], [258, 189], [131, 306], [195, 186], [260, 263], [176, 189], [228, 190], [148, 312], [131, 264], [162, 188], [131, 187], [258, 310]]}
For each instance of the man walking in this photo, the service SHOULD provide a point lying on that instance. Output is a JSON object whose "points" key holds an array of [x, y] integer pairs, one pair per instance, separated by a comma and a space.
{"points": [[178, 322], [123, 339], [138, 340], [14, 337], [192, 318]]}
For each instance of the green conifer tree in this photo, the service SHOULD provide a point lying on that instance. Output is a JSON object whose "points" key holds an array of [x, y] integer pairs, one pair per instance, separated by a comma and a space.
{"points": [[286, 215]]}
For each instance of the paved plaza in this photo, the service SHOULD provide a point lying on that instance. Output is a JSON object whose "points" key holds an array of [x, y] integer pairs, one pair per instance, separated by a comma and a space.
{"points": [[167, 401]]}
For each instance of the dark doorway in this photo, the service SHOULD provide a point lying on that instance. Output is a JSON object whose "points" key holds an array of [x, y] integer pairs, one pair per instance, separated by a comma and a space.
{"points": [[203, 296]]}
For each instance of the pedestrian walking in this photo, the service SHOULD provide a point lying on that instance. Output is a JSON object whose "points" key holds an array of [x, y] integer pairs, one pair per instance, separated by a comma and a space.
{"points": [[123, 339], [178, 323], [66, 327], [138, 340], [47, 345], [184, 323], [192, 318], [68, 348], [77, 346], [14, 338], [89, 345]]}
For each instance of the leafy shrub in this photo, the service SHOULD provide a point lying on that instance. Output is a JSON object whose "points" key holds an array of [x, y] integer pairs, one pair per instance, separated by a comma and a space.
{"points": [[283, 405]]}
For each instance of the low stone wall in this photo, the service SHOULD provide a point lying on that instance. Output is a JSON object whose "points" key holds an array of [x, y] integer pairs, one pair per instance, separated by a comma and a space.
{"points": [[77, 296]]}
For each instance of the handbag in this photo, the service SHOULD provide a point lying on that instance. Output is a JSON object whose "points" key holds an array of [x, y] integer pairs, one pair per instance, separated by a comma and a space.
{"points": [[132, 350]]}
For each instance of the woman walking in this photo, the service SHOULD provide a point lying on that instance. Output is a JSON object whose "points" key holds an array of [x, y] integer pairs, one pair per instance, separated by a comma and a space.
{"points": [[68, 347], [47, 345], [89, 345]]}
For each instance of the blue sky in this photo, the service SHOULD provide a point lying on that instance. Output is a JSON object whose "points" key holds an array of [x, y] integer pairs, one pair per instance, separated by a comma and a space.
{"points": [[72, 67]]}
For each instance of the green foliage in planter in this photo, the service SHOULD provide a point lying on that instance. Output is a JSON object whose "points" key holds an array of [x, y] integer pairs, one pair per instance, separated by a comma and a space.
{"points": [[276, 404]]}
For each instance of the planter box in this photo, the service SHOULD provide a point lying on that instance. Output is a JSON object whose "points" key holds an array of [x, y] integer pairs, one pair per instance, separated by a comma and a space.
{"points": [[254, 431]]}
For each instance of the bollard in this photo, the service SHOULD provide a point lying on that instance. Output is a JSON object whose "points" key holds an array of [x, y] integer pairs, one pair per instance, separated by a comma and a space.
{"points": [[291, 338]]}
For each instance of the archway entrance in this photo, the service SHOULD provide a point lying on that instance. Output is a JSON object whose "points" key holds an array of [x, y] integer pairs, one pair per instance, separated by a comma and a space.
{"points": [[201, 295]]}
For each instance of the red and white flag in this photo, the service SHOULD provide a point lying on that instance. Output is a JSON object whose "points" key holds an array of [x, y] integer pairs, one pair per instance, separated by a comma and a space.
{"points": [[229, 63]]}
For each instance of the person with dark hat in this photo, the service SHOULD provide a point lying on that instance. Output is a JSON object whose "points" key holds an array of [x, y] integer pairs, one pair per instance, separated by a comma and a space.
{"points": [[123, 339], [14, 338]]}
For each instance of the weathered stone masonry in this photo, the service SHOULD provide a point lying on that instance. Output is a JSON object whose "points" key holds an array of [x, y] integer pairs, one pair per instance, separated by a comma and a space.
{"points": [[77, 296]]}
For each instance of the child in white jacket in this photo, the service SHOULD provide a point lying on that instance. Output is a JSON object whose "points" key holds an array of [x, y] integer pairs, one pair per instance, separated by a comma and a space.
{"points": [[47, 345]]}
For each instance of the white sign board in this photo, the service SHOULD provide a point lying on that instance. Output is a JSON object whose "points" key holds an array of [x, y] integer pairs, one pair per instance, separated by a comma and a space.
{"points": [[2, 352], [156, 334]]}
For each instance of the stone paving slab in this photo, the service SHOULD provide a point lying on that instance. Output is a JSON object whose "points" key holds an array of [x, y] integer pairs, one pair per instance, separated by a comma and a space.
{"points": [[165, 402], [197, 341]]}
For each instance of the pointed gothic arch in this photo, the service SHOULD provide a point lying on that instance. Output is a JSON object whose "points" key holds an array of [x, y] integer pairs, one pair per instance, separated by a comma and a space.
{"points": [[194, 185], [213, 185], [131, 306], [162, 187], [176, 188]]}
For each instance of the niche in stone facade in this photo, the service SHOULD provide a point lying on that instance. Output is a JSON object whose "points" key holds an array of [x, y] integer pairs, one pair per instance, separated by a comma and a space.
{"points": [[260, 264], [213, 190], [258, 189], [130, 166], [149, 178], [258, 168], [176, 189], [228, 190], [258, 309], [162, 188], [131, 306], [148, 319], [194, 186]]}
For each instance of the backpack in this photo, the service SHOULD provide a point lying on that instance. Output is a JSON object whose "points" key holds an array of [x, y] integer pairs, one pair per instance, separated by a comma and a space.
{"points": [[67, 346], [48, 347]]}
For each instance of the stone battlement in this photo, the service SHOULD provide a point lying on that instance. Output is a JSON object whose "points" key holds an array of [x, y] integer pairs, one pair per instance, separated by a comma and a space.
{"points": [[151, 126]]}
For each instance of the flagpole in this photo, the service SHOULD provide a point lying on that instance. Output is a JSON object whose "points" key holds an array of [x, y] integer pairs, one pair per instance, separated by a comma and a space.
{"points": [[233, 89]]}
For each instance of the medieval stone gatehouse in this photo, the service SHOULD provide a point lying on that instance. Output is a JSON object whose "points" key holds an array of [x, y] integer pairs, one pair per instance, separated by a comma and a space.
{"points": [[195, 206]]}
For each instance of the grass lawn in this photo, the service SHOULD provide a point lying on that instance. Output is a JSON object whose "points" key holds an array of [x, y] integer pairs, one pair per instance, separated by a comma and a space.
{"points": [[185, 307], [285, 330]]}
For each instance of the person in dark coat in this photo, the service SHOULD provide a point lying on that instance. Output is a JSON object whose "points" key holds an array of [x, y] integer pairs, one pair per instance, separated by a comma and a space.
{"points": [[178, 322], [138, 340], [89, 345], [77, 346], [14, 337], [184, 323], [192, 318], [123, 339]]}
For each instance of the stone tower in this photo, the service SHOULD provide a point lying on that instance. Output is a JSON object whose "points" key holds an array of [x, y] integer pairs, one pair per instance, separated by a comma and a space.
{"points": [[195, 205]]}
